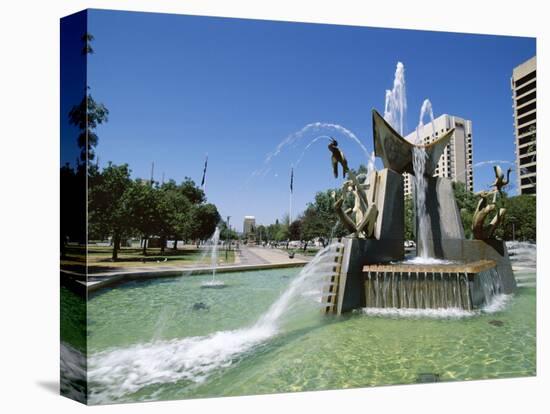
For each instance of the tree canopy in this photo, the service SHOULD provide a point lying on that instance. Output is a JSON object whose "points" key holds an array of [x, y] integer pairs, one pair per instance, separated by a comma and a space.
{"points": [[120, 207]]}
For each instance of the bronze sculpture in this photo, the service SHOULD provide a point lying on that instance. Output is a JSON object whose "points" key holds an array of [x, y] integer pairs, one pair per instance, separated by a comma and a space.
{"points": [[484, 207], [361, 218], [337, 158], [397, 153], [500, 181]]}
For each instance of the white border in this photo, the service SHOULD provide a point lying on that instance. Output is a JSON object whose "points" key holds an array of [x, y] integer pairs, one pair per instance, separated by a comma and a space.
{"points": [[29, 161]]}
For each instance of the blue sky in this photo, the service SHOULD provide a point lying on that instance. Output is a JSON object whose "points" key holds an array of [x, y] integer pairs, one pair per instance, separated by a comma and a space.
{"points": [[179, 87]]}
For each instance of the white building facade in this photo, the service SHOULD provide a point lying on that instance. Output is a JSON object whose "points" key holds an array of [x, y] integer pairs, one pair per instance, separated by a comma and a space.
{"points": [[456, 161], [524, 98], [249, 225]]}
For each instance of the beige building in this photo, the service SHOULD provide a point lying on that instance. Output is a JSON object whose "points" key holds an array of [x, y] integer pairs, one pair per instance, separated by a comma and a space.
{"points": [[524, 97], [456, 161], [249, 228]]}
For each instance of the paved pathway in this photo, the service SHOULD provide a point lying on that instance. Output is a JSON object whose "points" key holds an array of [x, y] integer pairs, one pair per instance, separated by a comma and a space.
{"points": [[277, 255], [247, 258]]}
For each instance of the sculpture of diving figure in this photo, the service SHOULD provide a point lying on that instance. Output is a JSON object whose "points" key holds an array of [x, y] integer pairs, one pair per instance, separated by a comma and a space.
{"points": [[337, 158]]}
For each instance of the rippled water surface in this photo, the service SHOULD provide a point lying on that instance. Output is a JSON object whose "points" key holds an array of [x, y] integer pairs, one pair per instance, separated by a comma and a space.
{"points": [[170, 338]]}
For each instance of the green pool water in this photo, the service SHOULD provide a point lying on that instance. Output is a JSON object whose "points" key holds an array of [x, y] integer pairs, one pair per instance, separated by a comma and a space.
{"points": [[171, 339]]}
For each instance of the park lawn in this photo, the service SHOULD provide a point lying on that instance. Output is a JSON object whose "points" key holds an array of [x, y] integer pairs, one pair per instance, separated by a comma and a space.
{"points": [[309, 252], [99, 258]]}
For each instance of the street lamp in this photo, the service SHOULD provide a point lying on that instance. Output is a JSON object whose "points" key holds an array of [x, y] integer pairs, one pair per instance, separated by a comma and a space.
{"points": [[513, 221], [227, 238]]}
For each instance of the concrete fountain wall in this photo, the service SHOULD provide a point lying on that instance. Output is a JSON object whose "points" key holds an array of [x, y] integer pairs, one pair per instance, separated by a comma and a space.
{"points": [[446, 234], [443, 226], [387, 244]]}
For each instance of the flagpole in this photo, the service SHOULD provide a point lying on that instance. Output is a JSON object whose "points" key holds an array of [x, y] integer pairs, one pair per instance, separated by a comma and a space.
{"points": [[203, 184], [290, 198], [290, 210]]}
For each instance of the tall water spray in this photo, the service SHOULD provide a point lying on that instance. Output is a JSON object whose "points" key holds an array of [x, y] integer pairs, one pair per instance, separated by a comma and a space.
{"points": [[426, 109], [214, 260], [294, 138], [395, 111], [424, 248], [419, 165], [395, 108], [114, 374]]}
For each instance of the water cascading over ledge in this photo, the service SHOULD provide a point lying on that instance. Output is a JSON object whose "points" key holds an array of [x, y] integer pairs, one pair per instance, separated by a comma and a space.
{"points": [[463, 286], [458, 273]]}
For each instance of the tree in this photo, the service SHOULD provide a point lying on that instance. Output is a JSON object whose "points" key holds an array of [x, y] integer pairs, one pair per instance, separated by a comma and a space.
{"points": [[189, 190], [142, 203], [226, 233], [108, 212], [205, 217], [87, 39], [295, 230], [466, 202], [178, 209], [320, 219], [72, 206], [88, 114], [409, 218], [520, 219], [261, 233], [274, 232], [531, 152]]}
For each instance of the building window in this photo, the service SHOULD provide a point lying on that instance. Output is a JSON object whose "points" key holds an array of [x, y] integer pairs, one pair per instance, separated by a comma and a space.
{"points": [[526, 140], [528, 128], [526, 98], [529, 170], [527, 108], [526, 89], [528, 180], [527, 149], [526, 78], [527, 160], [527, 118]]}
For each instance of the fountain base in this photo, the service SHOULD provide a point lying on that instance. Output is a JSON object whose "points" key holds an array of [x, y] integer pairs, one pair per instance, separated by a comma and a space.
{"points": [[371, 273], [439, 286], [213, 284]]}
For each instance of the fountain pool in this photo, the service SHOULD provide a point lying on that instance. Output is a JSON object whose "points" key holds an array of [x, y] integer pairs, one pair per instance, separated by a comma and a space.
{"points": [[307, 351]]}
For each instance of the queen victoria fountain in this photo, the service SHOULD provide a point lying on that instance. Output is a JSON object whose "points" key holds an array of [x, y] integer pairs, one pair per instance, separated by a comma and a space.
{"points": [[449, 271]]}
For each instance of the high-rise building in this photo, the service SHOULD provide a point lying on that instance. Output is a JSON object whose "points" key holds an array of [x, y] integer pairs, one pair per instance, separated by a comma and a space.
{"points": [[524, 97], [249, 227], [456, 161]]}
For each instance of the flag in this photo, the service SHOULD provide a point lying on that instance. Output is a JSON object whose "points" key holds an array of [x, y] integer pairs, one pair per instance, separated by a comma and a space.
{"points": [[291, 180], [204, 171]]}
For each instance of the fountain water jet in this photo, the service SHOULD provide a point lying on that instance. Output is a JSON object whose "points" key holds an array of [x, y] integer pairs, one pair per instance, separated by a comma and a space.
{"points": [[373, 272], [214, 261], [168, 312], [308, 146], [117, 373], [312, 127], [395, 108], [424, 249]]}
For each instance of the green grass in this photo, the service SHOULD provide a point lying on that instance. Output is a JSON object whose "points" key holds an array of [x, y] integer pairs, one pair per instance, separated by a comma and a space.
{"points": [[308, 252], [99, 258]]}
